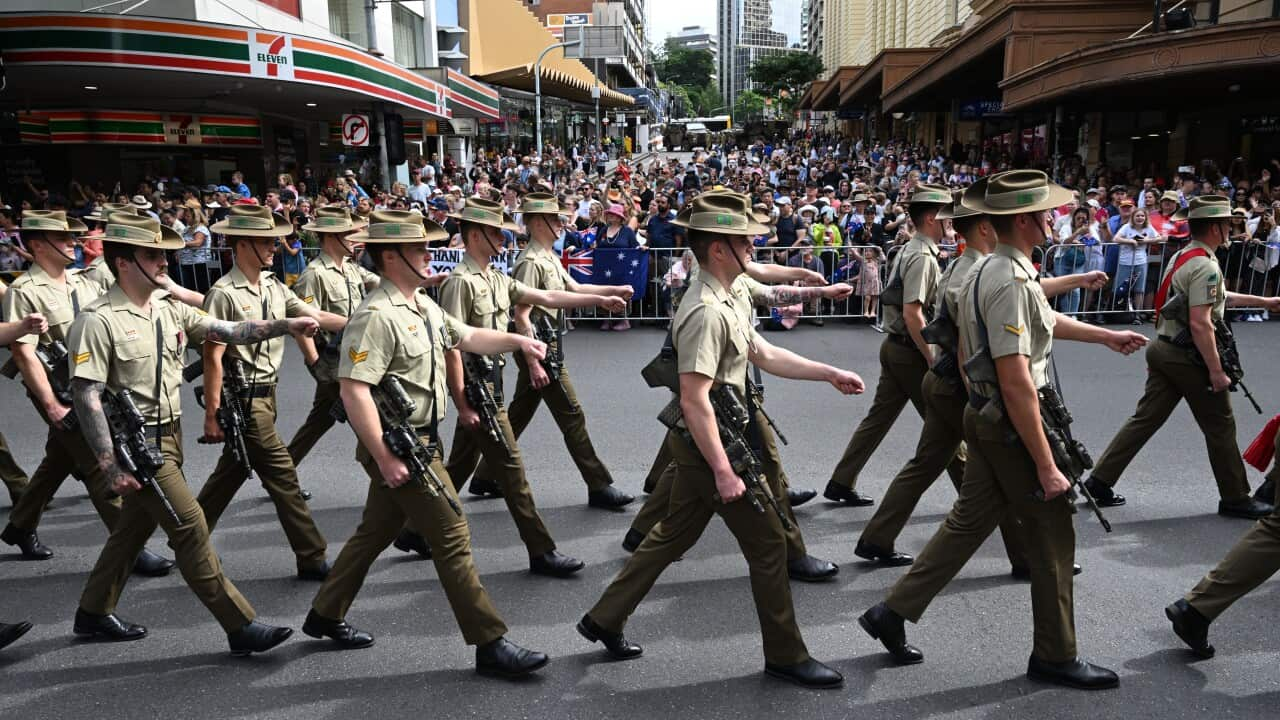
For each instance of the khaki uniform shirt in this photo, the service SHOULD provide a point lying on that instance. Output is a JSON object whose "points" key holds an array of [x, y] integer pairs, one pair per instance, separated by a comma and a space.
{"points": [[710, 335], [36, 292], [1200, 280], [232, 299], [540, 268], [326, 286], [1018, 317], [952, 279], [99, 273], [481, 296], [390, 334], [113, 341], [917, 264]]}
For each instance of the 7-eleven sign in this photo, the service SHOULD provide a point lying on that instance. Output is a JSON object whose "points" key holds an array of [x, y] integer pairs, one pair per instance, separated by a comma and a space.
{"points": [[271, 56], [182, 130]]}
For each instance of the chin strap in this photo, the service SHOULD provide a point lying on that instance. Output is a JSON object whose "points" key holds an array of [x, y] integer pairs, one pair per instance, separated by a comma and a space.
{"points": [[741, 265], [414, 270], [134, 259], [261, 263], [69, 258]]}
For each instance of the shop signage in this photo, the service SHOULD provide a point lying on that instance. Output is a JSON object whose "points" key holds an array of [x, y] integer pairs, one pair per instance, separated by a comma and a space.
{"points": [[355, 130], [271, 56], [1260, 124], [557, 22], [184, 47], [978, 109], [131, 127]]}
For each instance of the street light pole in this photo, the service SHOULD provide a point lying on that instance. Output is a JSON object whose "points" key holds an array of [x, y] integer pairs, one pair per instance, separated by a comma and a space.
{"points": [[537, 89]]}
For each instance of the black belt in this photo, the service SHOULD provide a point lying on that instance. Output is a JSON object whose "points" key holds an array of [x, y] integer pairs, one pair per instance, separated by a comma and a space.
{"points": [[903, 340], [258, 391]]}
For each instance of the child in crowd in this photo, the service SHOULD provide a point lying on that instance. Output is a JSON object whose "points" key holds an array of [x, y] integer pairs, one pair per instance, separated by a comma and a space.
{"points": [[868, 285]]}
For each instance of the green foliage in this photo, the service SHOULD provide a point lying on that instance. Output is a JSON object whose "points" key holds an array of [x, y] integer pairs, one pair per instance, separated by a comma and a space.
{"points": [[690, 68], [786, 71], [749, 105]]}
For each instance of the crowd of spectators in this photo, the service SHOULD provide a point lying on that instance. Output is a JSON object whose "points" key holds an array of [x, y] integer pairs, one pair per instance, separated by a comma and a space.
{"points": [[834, 205]]}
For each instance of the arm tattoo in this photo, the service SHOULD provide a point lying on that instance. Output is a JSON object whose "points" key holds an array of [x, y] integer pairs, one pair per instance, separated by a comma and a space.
{"points": [[247, 332], [780, 295], [87, 396]]}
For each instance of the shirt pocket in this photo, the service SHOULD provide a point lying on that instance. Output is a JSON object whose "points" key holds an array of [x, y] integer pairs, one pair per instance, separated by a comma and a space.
{"points": [[483, 304], [136, 362]]}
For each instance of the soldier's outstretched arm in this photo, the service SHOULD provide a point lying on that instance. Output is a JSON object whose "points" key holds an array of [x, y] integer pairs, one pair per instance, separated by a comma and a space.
{"points": [[248, 332], [1055, 286], [32, 324], [493, 342], [785, 363], [1126, 342], [773, 273], [623, 291], [180, 293], [569, 300]]}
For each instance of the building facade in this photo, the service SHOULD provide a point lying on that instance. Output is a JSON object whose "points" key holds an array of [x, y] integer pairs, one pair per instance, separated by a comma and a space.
{"points": [[746, 35], [196, 90], [621, 72]]}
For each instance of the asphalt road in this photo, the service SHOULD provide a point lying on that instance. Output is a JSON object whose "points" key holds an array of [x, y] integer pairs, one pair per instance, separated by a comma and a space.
{"points": [[698, 626]]}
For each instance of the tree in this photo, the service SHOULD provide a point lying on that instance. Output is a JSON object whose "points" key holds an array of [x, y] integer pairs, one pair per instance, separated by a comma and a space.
{"points": [[749, 104], [707, 100], [681, 66], [785, 71]]}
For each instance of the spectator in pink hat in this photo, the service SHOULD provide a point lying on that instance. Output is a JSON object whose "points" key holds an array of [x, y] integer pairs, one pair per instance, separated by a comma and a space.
{"points": [[617, 234]]}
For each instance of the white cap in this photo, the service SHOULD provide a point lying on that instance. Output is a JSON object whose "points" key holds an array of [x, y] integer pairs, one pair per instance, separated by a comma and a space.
{"points": [[783, 200]]}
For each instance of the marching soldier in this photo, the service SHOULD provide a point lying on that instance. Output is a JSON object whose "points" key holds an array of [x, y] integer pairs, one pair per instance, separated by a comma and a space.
{"points": [[539, 267], [1004, 317], [57, 293], [945, 396], [333, 284], [905, 357], [481, 296], [398, 331], [133, 338], [713, 345], [11, 474], [1185, 364], [249, 292], [1255, 557], [747, 292]]}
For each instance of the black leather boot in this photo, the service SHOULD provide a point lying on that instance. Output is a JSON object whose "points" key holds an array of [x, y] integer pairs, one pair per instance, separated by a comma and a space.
{"points": [[346, 636], [106, 627], [618, 647], [887, 626], [256, 637], [503, 658]]}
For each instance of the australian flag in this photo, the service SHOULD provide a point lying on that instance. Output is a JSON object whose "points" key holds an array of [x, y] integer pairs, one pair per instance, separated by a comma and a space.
{"points": [[622, 266], [578, 264]]}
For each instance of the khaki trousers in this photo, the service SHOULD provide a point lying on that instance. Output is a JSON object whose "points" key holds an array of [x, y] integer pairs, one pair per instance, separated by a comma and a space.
{"points": [[940, 440], [1174, 375], [318, 422], [902, 370], [198, 563], [14, 479], [269, 458], [693, 502], [65, 453], [1000, 478], [386, 510], [469, 447], [1254, 559], [562, 401], [657, 504]]}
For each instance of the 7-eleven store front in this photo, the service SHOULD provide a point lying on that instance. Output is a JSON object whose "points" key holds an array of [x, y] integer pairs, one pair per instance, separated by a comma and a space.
{"points": [[104, 98]]}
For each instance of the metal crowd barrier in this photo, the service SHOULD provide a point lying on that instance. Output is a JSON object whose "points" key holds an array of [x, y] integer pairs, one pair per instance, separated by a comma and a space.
{"points": [[1126, 297]]}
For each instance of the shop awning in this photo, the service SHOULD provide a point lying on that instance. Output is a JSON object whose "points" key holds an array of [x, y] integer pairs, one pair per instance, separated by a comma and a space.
{"points": [[873, 81], [806, 101], [1008, 38], [1205, 67], [828, 98], [126, 61], [503, 42]]}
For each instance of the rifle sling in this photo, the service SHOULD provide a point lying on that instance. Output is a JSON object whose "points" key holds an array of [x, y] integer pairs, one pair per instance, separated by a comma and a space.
{"points": [[159, 372], [1162, 295]]}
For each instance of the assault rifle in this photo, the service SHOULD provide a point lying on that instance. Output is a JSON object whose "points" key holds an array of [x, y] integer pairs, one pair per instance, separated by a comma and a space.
{"points": [[553, 362], [395, 407], [732, 419], [1228, 355], [1069, 454], [231, 413], [135, 455], [479, 370], [57, 367]]}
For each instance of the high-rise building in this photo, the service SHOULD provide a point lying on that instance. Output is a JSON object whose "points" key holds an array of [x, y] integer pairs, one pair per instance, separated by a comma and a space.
{"points": [[696, 37], [747, 35], [619, 72]]}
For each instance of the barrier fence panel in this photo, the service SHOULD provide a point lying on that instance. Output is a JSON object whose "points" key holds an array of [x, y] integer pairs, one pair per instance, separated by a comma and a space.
{"points": [[1252, 268]]}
